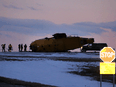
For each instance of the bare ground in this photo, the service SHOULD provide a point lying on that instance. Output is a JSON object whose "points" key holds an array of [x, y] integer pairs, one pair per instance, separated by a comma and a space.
{"points": [[94, 73], [8, 82]]}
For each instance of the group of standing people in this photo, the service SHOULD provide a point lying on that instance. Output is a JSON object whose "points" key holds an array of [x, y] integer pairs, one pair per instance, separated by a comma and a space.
{"points": [[20, 46], [9, 47]]}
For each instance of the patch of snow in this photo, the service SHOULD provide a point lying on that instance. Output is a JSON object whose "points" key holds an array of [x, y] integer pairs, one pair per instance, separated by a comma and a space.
{"points": [[47, 72], [59, 54]]}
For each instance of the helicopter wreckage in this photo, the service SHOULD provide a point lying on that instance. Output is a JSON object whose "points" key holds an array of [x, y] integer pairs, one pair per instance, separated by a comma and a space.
{"points": [[60, 42]]}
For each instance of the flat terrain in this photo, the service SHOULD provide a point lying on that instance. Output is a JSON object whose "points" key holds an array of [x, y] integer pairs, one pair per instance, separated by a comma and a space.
{"points": [[28, 69]]}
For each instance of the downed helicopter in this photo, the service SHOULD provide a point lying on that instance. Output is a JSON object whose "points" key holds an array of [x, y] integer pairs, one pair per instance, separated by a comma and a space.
{"points": [[60, 42]]}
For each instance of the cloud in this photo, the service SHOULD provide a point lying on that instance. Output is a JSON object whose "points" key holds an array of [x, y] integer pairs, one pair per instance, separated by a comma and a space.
{"points": [[17, 31], [43, 27], [87, 27], [26, 26], [39, 27], [109, 25], [108, 36], [32, 8], [12, 6]]}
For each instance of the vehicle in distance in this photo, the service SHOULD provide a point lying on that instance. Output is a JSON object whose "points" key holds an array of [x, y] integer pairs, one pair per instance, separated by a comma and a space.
{"points": [[93, 46], [60, 42]]}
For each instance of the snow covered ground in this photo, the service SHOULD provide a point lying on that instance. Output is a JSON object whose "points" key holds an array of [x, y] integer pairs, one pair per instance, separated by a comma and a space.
{"points": [[52, 54], [47, 71]]}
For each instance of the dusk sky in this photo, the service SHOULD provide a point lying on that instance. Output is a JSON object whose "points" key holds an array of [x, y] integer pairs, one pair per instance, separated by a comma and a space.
{"points": [[23, 21]]}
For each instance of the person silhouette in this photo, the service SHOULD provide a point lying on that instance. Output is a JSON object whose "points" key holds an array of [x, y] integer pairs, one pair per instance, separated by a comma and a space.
{"points": [[9, 47], [19, 46], [25, 47]]}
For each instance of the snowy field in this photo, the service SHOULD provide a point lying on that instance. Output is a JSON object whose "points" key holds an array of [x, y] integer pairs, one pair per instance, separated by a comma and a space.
{"points": [[42, 68]]}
